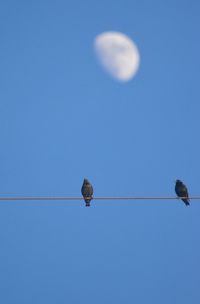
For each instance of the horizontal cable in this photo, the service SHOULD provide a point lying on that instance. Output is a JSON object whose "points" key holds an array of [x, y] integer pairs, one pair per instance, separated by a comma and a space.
{"points": [[67, 198]]}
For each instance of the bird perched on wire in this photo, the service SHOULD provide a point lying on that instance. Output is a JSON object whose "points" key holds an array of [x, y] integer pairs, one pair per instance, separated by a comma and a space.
{"points": [[87, 192], [181, 191]]}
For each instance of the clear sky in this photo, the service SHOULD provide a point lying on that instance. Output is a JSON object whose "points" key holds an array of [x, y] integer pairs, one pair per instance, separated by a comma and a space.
{"points": [[62, 118]]}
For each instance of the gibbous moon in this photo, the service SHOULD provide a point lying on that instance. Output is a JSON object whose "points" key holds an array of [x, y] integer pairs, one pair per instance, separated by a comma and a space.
{"points": [[118, 54]]}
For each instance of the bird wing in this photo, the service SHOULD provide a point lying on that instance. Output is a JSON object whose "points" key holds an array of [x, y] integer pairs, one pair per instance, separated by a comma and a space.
{"points": [[87, 190], [91, 191], [184, 191]]}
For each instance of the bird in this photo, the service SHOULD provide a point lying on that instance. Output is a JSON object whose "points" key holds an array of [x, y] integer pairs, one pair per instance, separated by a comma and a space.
{"points": [[181, 191], [87, 192]]}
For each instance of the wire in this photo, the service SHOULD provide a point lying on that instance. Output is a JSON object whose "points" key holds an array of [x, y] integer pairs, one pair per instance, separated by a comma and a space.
{"points": [[67, 198]]}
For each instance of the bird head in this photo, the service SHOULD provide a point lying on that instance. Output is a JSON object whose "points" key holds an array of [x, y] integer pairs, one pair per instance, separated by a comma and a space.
{"points": [[86, 181], [178, 181]]}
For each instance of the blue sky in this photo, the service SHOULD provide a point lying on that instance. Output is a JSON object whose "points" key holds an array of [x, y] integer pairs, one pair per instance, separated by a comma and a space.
{"points": [[62, 118]]}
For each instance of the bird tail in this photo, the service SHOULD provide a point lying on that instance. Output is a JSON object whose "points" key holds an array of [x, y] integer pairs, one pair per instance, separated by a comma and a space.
{"points": [[186, 201], [87, 202]]}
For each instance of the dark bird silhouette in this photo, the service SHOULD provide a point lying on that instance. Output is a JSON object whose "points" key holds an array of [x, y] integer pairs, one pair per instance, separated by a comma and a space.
{"points": [[181, 191], [87, 192]]}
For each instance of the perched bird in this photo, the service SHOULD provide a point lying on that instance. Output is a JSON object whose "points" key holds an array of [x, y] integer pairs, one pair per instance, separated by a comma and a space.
{"points": [[181, 191], [87, 192]]}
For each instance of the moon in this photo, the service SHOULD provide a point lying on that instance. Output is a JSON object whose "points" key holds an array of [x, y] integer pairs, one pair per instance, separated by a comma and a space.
{"points": [[118, 55]]}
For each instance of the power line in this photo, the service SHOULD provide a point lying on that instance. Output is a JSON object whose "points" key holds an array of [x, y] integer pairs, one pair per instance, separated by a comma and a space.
{"points": [[67, 198]]}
